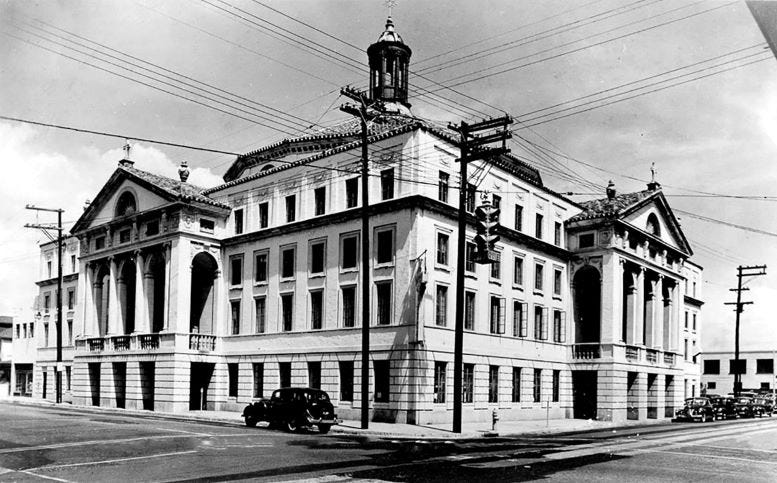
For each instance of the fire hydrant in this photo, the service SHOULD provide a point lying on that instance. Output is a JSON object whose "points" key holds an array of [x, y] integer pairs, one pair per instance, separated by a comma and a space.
{"points": [[494, 419]]}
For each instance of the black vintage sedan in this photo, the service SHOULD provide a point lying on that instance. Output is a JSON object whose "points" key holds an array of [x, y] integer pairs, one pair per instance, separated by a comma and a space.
{"points": [[746, 408], [724, 407], [764, 406], [293, 408], [696, 409]]}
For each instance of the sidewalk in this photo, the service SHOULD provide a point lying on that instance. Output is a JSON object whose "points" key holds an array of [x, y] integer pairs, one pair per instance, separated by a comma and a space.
{"points": [[376, 429]]}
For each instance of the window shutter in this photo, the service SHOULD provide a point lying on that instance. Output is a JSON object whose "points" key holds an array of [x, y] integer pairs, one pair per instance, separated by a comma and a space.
{"points": [[544, 331], [524, 319], [502, 310], [563, 337]]}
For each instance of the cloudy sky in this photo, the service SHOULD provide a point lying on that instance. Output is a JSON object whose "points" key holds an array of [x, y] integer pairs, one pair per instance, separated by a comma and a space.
{"points": [[605, 88]]}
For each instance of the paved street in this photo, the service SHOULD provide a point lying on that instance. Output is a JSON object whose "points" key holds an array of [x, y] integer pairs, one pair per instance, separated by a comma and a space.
{"points": [[45, 444]]}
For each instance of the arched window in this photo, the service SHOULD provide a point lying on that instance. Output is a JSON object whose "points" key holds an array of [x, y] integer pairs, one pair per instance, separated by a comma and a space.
{"points": [[652, 225], [126, 204]]}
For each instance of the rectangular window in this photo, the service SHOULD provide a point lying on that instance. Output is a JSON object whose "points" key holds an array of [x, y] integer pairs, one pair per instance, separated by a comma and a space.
{"points": [[520, 319], [45, 335], [291, 208], [693, 320], [32, 331], [540, 323], [236, 270], [351, 192], [441, 306], [537, 385], [493, 384], [518, 271], [349, 306], [316, 309], [712, 366], [287, 262], [235, 310], [557, 233], [538, 222], [124, 237], [260, 305], [385, 246], [67, 378], [207, 226], [258, 370], [469, 260], [496, 267], [71, 298], [260, 266], [442, 192], [518, 218], [539, 275], [559, 327], [48, 269], [497, 318], [383, 290], [346, 380], [238, 221], [73, 266], [496, 202], [439, 382], [152, 228], [586, 240], [284, 373], [264, 214], [712, 385], [686, 319], [317, 257], [516, 384], [764, 366], [469, 310], [382, 381], [349, 251], [556, 386], [557, 281], [287, 311], [99, 243], [314, 374], [685, 350], [469, 204], [442, 249], [467, 383], [46, 302], [387, 184], [319, 198], [232, 370], [741, 368]]}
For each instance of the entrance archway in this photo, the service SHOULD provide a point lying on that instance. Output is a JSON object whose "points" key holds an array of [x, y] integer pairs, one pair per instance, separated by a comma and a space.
{"points": [[588, 294], [203, 307]]}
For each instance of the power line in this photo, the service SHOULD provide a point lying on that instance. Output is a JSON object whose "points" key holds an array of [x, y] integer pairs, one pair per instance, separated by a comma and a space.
{"points": [[725, 223]]}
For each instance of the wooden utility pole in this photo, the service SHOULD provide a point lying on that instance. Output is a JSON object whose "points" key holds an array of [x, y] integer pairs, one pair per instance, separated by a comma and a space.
{"points": [[58, 227], [742, 272], [472, 148], [365, 112]]}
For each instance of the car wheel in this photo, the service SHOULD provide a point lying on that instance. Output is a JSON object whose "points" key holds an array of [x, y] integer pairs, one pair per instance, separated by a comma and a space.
{"points": [[324, 428], [291, 426], [251, 421]]}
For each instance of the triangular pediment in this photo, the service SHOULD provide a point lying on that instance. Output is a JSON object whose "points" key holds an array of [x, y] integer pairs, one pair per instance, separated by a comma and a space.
{"points": [[653, 216]]}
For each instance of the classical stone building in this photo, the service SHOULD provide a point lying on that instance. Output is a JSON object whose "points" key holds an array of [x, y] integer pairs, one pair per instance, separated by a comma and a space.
{"points": [[195, 298]]}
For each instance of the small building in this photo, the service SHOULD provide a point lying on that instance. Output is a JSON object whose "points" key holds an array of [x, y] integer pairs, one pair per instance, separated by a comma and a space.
{"points": [[6, 355], [755, 366]]}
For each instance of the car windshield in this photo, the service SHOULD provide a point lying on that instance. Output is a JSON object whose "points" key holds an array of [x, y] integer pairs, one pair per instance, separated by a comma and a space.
{"points": [[696, 402]]}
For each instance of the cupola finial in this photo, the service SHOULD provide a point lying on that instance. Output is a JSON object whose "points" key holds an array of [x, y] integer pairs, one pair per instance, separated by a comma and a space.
{"points": [[610, 190], [126, 161], [653, 185]]}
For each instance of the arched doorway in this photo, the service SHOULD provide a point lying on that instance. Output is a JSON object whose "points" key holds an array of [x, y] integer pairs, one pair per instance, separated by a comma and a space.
{"points": [[587, 284], [126, 287], [203, 307]]}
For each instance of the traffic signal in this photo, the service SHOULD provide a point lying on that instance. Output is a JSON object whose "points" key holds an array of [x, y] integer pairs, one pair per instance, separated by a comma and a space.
{"points": [[487, 221]]}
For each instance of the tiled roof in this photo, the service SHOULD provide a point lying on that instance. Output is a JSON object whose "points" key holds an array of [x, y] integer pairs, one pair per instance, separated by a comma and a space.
{"points": [[611, 208], [175, 188]]}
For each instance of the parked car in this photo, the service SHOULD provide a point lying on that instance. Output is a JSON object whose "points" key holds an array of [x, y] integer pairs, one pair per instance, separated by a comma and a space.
{"points": [[696, 409], [746, 409], [293, 408], [764, 406], [724, 407]]}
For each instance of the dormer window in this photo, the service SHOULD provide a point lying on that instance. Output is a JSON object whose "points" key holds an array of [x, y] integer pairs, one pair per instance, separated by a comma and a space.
{"points": [[652, 225], [126, 204]]}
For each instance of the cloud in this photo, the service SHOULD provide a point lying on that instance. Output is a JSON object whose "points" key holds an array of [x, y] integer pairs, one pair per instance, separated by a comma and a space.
{"points": [[46, 178]]}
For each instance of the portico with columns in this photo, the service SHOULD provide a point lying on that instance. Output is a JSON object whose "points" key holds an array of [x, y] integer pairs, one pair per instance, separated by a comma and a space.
{"points": [[635, 246]]}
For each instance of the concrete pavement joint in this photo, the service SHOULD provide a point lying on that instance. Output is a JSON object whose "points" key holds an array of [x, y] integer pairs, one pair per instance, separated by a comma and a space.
{"points": [[28, 472], [103, 462]]}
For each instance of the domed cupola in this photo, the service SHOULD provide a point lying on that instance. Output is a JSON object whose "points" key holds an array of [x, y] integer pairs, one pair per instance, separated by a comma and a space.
{"points": [[389, 61]]}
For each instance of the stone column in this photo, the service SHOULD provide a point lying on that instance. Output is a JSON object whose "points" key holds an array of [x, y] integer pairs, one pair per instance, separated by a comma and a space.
{"points": [[650, 314], [141, 310], [631, 308], [675, 323], [113, 299], [166, 318], [639, 335], [86, 295], [667, 317], [658, 319]]}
